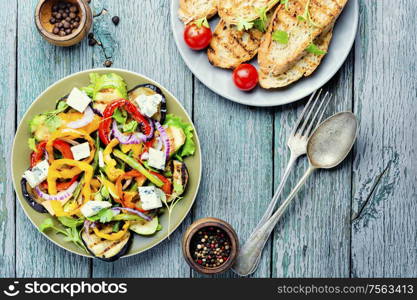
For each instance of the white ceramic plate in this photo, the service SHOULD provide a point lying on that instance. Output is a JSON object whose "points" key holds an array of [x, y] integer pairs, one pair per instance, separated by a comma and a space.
{"points": [[220, 81]]}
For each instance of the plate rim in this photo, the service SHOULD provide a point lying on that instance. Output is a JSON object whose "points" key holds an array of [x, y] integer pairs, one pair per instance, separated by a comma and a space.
{"points": [[308, 91], [151, 81]]}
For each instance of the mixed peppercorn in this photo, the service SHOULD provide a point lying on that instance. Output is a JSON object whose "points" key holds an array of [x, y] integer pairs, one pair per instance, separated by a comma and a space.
{"points": [[65, 18], [210, 247]]}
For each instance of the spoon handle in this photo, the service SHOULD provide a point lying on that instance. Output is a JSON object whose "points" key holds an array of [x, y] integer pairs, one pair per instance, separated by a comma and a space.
{"points": [[249, 255]]}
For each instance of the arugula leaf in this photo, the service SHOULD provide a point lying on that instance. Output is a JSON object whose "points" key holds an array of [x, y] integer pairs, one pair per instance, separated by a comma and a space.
{"points": [[280, 36], [130, 127], [244, 25], [46, 224], [120, 116], [32, 144], [202, 22], [189, 146], [70, 222], [103, 216], [315, 50]]}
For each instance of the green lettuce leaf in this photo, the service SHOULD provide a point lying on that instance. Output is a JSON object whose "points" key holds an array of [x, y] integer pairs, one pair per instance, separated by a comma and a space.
{"points": [[189, 146], [100, 82]]}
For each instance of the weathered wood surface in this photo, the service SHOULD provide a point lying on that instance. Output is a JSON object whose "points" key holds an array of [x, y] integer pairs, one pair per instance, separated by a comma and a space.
{"points": [[384, 225], [8, 10], [357, 220]]}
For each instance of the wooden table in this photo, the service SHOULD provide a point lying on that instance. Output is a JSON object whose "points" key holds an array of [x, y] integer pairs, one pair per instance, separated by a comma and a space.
{"points": [[356, 221]]}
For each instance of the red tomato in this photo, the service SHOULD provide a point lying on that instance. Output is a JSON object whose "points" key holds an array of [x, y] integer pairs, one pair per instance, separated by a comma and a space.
{"points": [[197, 37], [245, 77]]}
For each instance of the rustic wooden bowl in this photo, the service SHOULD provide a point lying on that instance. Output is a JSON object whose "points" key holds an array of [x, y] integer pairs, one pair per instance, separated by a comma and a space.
{"points": [[43, 13], [207, 222]]}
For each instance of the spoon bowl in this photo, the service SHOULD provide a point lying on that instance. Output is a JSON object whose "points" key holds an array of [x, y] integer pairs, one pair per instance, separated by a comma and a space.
{"points": [[332, 141]]}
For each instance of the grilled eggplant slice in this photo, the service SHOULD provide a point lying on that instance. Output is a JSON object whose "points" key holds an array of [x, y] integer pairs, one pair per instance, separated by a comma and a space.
{"points": [[150, 89], [106, 250], [31, 199], [179, 179]]}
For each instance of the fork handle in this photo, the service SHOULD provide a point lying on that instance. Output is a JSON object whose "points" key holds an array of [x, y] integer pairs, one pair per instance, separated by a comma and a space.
{"points": [[249, 255], [278, 192]]}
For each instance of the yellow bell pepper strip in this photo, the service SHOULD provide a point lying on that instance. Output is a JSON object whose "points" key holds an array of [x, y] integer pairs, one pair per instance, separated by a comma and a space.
{"points": [[137, 166], [54, 173], [110, 187], [135, 148], [70, 134], [111, 171], [112, 236], [58, 209], [74, 116]]}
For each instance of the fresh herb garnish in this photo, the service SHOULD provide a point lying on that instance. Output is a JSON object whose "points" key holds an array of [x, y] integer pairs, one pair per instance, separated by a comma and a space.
{"points": [[280, 36], [261, 22], [70, 222], [103, 216], [315, 50], [202, 22], [244, 25], [306, 17]]}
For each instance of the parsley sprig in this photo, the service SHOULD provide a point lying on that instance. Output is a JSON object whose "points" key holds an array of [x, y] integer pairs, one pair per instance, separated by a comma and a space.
{"points": [[306, 17], [315, 50]]}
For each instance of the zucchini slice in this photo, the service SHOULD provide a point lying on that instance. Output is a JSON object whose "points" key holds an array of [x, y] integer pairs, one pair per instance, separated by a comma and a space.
{"points": [[145, 228]]}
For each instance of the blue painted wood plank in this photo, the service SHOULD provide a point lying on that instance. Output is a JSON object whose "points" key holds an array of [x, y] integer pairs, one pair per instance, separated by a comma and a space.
{"points": [[39, 65], [8, 11], [384, 239], [142, 42]]}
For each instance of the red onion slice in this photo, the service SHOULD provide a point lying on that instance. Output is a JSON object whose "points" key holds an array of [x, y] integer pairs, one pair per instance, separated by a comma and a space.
{"points": [[164, 138], [135, 138], [133, 211], [87, 118], [60, 196]]}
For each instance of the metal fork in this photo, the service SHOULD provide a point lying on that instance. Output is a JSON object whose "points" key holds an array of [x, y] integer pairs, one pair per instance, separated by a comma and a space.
{"points": [[297, 143]]}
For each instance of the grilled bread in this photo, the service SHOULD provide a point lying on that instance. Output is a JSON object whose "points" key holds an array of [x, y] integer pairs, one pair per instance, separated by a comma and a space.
{"points": [[275, 58], [236, 11], [304, 67], [191, 10], [230, 47]]}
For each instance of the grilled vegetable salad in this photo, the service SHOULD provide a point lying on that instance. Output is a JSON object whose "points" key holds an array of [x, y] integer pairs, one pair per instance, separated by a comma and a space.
{"points": [[107, 162]]}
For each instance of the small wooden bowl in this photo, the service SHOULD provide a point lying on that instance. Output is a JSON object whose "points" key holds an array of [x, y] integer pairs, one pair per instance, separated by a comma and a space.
{"points": [[43, 14], [208, 222]]}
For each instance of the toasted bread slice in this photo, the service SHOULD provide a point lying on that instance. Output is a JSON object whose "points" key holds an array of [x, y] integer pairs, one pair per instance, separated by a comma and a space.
{"points": [[304, 67], [279, 58], [230, 47], [191, 10], [235, 11]]}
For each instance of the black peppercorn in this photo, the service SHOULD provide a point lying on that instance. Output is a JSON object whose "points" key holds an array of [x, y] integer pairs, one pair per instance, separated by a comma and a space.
{"points": [[115, 20], [92, 42], [108, 63]]}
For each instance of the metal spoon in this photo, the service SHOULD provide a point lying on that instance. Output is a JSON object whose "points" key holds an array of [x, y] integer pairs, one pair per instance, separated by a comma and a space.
{"points": [[327, 147]]}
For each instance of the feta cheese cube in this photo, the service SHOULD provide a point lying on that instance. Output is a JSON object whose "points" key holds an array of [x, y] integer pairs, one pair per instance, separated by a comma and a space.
{"points": [[101, 159], [157, 159], [149, 105], [149, 197], [78, 100], [37, 174], [81, 151], [92, 207]]}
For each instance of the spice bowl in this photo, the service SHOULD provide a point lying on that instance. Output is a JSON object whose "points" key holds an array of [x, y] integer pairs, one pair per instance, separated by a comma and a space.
{"points": [[210, 246], [77, 27]]}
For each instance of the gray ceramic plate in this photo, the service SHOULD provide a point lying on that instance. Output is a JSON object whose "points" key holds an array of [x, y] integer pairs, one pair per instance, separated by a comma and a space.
{"points": [[46, 101], [220, 81]]}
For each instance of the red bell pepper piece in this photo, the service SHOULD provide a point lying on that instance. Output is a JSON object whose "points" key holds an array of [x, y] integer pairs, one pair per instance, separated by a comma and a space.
{"points": [[167, 187], [105, 125], [37, 155]]}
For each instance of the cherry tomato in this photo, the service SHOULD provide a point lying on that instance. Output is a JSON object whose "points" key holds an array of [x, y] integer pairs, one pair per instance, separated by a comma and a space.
{"points": [[245, 77], [197, 37]]}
